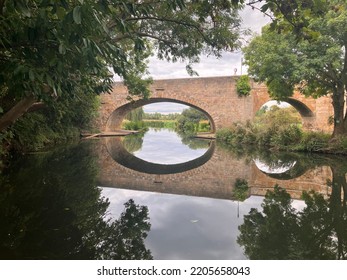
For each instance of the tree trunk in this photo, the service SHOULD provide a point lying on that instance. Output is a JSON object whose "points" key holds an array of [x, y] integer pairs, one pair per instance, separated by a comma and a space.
{"points": [[340, 122], [16, 112]]}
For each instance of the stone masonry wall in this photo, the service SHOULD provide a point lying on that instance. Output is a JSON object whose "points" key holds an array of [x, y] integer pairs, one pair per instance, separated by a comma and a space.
{"points": [[215, 95]]}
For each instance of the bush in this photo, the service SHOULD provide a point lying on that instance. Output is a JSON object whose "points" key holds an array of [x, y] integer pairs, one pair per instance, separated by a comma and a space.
{"points": [[204, 127], [287, 136], [225, 135], [314, 141], [243, 86], [134, 125]]}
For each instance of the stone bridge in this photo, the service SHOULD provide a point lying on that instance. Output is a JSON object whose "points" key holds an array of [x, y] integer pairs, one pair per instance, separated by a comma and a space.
{"points": [[212, 175], [216, 97]]}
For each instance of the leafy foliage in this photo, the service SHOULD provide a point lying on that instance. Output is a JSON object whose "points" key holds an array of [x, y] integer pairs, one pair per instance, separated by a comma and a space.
{"points": [[135, 115], [189, 120], [53, 48], [59, 123], [276, 127], [304, 49], [243, 86]]}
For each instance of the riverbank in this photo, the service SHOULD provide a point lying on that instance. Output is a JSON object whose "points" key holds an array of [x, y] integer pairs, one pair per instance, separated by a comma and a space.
{"points": [[108, 134], [291, 138]]}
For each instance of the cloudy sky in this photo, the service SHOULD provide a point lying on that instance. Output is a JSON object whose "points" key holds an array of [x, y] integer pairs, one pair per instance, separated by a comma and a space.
{"points": [[208, 67]]}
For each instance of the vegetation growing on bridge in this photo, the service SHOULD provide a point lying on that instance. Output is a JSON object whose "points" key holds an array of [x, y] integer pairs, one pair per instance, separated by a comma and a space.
{"points": [[243, 87]]}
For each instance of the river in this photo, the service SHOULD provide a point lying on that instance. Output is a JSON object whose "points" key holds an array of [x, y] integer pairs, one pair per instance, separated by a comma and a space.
{"points": [[160, 195]]}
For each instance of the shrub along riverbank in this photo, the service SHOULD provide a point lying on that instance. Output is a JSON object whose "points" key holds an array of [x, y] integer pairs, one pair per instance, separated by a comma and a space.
{"points": [[290, 138], [280, 129], [59, 123]]}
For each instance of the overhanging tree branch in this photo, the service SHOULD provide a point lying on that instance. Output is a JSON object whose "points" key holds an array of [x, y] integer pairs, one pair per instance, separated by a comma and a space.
{"points": [[16, 112]]}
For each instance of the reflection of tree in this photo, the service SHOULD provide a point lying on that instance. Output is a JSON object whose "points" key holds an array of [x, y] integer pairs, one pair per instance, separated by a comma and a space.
{"points": [[319, 231], [50, 208], [241, 189], [133, 143], [269, 235], [192, 142], [124, 238], [281, 159]]}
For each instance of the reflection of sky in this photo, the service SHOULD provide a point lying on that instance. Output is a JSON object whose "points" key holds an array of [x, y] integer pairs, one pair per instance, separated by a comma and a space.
{"points": [[165, 147], [185, 227], [277, 168]]}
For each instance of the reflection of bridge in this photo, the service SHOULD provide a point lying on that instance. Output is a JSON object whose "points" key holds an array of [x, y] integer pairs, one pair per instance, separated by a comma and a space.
{"points": [[216, 97], [117, 151], [213, 175]]}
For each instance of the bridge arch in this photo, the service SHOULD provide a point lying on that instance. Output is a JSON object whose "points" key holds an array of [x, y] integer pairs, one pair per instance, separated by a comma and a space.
{"points": [[117, 116], [305, 110], [301, 107]]}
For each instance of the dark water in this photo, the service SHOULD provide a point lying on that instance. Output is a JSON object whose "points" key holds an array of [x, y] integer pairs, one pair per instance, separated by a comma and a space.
{"points": [[162, 196]]}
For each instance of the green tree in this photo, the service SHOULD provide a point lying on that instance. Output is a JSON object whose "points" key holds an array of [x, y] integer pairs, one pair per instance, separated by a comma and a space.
{"points": [[135, 115], [189, 120], [304, 49], [277, 117], [49, 48]]}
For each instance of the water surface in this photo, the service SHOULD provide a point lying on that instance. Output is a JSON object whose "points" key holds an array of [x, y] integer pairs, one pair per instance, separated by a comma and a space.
{"points": [[82, 202]]}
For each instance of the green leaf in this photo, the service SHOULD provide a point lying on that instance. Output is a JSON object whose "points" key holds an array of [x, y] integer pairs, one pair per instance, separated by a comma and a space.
{"points": [[62, 49], [61, 12], [23, 8], [31, 75], [77, 15]]}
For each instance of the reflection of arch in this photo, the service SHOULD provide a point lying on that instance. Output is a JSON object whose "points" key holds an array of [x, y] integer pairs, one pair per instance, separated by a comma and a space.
{"points": [[118, 115], [295, 171], [122, 156]]}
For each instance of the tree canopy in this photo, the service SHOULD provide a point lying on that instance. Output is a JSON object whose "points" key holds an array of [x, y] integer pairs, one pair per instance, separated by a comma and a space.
{"points": [[304, 48], [49, 48]]}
